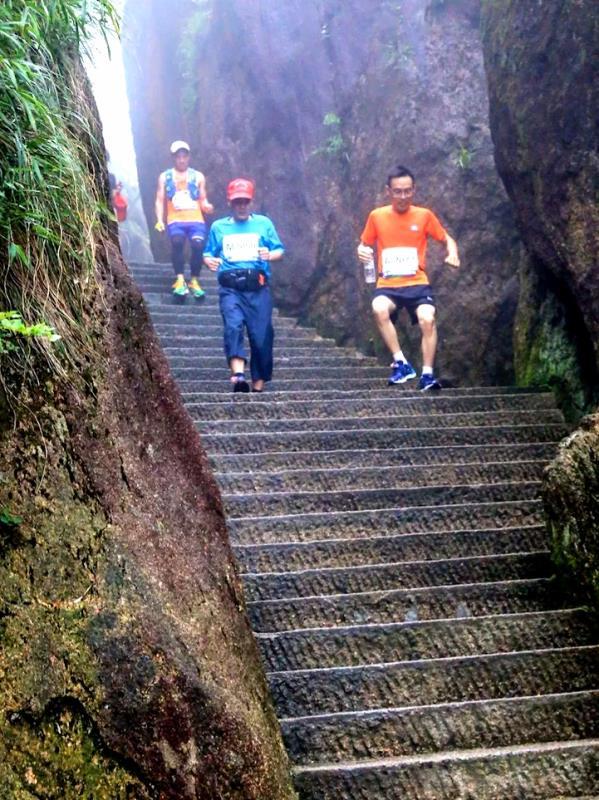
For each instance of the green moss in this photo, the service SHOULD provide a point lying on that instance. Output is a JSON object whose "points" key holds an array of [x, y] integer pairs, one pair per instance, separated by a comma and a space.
{"points": [[60, 756]]}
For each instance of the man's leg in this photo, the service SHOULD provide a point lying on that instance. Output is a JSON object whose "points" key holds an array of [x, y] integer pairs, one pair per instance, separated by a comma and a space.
{"points": [[232, 312], [197, 249], [425, 314], [261, 336], [178, 258], [428, 328], [383, 308]]}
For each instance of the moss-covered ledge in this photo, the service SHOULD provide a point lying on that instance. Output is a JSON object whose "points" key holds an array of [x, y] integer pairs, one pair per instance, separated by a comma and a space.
{"points": [[571, 500]]}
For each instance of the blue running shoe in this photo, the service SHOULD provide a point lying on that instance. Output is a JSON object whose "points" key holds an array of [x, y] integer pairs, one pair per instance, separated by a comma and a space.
{"points": [[401, 372], [428, 383]]}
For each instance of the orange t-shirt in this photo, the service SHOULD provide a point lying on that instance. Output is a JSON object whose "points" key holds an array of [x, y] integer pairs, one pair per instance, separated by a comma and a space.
{"points": [[182, 208], [401, 244]]}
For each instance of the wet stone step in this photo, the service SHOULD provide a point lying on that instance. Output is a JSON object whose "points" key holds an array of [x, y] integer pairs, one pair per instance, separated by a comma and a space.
{"points": [[385, 405], [201, 346], [331, 423], [349, 689], [382, 438], [253, 505], [406, 605], [402, 575], [429, 729], [330, 480], [286, 372], [243, 463], [284, 390], [406, 641], [382, 549], [560, 771], [384, 522], [288, 360]]}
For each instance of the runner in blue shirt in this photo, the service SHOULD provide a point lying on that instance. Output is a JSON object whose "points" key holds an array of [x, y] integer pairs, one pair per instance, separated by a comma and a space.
{"points": [[240, 248]]}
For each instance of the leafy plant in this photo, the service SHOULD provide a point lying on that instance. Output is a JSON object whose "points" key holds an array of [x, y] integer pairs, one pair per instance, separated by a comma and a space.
{"points": [[8, 520], [462, 157], [335, 145], [12, 325], [50, 207]]}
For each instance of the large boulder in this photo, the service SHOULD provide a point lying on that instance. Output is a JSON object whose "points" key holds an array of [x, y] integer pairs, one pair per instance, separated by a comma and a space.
{"points": [[317, 102], [541, 66]]}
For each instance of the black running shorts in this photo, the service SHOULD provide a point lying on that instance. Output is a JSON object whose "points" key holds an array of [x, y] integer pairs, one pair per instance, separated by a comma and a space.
{"points": [[408, 297]]}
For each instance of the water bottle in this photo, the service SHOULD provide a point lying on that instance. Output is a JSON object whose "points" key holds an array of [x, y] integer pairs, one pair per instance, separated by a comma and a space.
{"points": [[370, 271]]}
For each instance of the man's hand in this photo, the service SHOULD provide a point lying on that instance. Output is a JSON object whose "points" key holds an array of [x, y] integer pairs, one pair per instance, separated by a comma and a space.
{"points": [[212, 263], [452, 258], [264, 254], [207, 207], [365, 253], [159, 226]]}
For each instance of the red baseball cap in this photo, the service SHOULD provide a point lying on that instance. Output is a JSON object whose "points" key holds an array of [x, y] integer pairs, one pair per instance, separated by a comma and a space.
{"points": [[240, 189]]}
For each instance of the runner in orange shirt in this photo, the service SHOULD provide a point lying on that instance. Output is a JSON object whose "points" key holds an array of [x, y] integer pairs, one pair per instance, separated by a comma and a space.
{"points": [[181, 198], [400, 232]]}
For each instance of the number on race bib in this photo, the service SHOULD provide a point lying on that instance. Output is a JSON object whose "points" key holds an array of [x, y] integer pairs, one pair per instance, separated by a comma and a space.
{"points": [[400, 262], [182, 201], [241, 246]]}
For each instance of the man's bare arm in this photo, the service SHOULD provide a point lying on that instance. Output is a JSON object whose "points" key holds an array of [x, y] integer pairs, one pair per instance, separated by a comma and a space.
{"points": [[159, 204]]}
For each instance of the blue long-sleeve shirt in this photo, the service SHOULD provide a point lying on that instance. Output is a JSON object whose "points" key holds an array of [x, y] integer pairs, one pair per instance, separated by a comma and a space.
{"points": [[237, 242]]}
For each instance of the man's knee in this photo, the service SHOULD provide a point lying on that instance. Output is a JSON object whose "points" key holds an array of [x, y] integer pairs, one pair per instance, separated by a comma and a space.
{"points": [[426, 318], [177, 242], [382, 308], [197, 243]]}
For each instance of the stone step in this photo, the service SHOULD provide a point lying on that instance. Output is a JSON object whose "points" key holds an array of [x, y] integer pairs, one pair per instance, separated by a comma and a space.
{"points": [[313, 648], [275, 406], [286, 360], [384, 522], [445, 680], [329, 480], [400, 436], [200, 346], [472, 419], [389, 549], [429, 729], [285, 372], [385, 457], [278, 503], [558, 771], [405, 605], [391, 576]]}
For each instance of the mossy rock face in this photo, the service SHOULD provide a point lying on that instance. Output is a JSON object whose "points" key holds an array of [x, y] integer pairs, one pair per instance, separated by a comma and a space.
{"points": [[571, 499], [544, 94]]}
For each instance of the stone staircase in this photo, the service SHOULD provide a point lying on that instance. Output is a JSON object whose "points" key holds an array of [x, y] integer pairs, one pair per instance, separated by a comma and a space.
{"points": [[396, 570]]}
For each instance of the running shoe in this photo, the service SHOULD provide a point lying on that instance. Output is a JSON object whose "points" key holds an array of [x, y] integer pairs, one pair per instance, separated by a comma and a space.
{"points": [[196, 289], [401, 372], [180, 287], [239, 383], [428, 383]]}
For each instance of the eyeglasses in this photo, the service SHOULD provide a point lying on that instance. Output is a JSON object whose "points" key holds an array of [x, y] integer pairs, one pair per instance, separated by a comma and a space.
{"points": [[402, 192]]}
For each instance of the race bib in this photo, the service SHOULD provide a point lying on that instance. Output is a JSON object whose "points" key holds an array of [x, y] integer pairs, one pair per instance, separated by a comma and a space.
{"points": [[241, 246], [183, 201], [400, 262]]}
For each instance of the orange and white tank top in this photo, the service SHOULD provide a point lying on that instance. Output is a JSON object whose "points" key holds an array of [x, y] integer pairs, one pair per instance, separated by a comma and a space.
{"points": [[182, 207]]}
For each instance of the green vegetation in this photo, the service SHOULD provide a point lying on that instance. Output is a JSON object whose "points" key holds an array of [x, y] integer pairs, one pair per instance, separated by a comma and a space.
{"points": [[12, 326], [50, 208], [335, 145], [462, 156], [190, 48]]}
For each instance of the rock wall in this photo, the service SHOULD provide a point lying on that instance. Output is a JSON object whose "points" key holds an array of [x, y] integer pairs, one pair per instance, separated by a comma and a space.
{"points": [[251, 85], [127, 665], [571, 498], [541, 63]]}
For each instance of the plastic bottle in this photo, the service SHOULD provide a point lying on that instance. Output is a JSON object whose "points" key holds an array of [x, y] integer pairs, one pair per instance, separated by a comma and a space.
{"points": [[370, 271]]}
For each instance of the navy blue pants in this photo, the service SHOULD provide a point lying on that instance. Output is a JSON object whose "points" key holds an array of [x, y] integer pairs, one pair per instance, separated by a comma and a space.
{"points": [[254, 311]]}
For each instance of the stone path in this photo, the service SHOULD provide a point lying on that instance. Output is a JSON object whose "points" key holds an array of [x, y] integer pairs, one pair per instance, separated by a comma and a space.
{"points": [[396, 570]]}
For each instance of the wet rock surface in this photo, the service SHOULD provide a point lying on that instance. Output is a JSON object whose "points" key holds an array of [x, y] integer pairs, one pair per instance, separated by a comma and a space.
{"points": [[540, 62]]}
